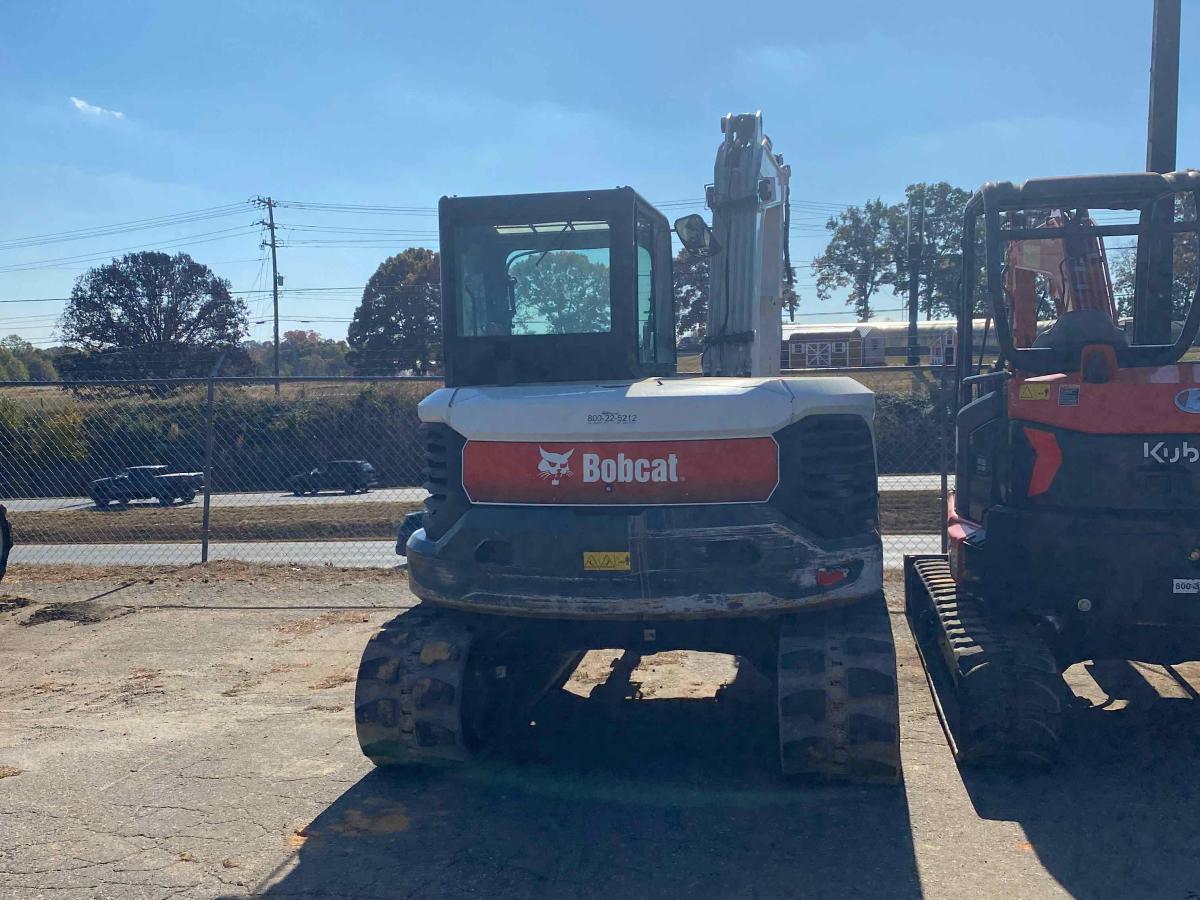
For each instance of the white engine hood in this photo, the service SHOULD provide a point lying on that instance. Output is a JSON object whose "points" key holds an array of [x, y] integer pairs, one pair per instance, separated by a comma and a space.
{"points": [[652, 409]]}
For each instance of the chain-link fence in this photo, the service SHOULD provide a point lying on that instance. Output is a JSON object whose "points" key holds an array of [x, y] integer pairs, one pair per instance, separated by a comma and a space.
{"points": [[318, 472], [176, 472], [915, 448]]}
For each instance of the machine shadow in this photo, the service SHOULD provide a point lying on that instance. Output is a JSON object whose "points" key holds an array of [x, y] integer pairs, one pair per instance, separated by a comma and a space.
{"points": [[616, 797], [1115, 818]]}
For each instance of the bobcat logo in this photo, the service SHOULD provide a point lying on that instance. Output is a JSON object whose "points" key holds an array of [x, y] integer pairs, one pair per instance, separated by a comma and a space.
{"points": [[555, 466]]}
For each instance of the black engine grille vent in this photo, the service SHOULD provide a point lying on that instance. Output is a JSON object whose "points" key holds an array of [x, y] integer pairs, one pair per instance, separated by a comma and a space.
{"points": [[827, 475]]}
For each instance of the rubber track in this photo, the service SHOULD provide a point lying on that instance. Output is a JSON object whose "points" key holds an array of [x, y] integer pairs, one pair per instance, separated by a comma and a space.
{"points": [[839, 715], [408, 698], [1008, 690]]}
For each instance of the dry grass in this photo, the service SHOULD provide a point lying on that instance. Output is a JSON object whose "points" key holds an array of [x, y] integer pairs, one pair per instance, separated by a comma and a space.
{"points": [[911, 512], [223, 572], [308, 521]]}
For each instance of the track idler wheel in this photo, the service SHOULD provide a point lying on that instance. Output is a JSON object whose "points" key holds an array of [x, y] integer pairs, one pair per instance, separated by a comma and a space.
{"points": [[998, 688], [408, 697], [839, 715], [438, 686]]}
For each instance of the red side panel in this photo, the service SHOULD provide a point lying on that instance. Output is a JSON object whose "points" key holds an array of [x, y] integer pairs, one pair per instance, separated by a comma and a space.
{"points": [[1139, 401], [736, 470], [1046, 462]]}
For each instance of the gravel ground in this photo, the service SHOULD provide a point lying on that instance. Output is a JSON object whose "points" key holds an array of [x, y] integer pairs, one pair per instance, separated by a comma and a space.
{"points": [[190, 734]]}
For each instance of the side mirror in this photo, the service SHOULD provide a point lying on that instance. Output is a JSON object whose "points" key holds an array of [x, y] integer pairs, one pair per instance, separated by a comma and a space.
{"points": [[696, 236]]}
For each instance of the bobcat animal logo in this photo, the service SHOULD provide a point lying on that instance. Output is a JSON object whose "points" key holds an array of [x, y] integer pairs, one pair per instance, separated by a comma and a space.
{"points": [[555, 466]]}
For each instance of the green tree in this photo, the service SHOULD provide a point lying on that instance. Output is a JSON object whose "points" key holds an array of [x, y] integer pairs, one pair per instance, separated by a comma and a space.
{"points": [[690, 274], [398, 326], [39, 364], [11, 366], [560, 292], [790, 300], [941, 256], [152, 315], [860, 255], [1122, 260]]}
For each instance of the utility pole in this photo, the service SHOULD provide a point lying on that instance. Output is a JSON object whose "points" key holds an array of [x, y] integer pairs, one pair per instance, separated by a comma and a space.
{"points": [[270, 223], [916, 250], [1152, 314]]}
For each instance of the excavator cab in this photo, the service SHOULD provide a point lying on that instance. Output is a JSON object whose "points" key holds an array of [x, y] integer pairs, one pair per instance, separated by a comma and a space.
{"points": [[1072, 530], [544, 288]]}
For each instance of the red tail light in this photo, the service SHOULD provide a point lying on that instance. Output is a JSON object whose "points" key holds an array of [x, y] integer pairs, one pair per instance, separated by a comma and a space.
{"points": [[834, 575]]}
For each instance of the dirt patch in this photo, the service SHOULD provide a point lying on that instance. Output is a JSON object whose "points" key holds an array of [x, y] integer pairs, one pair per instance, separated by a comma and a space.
{"points": [[11, 604], [911, 512], [281, 522], [325, 620], [337, 679], [79, 613], [204, 573]]}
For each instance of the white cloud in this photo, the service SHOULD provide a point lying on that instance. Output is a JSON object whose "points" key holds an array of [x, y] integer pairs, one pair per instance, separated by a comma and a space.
{"points": [[779, 60], [98, 112]]}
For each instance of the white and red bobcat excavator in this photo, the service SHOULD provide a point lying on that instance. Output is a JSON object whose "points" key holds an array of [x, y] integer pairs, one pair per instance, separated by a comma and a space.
{"points": [[582, 495]]}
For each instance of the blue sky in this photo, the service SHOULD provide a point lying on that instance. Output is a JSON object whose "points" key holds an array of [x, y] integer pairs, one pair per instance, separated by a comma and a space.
{"points": [[398, 104]]}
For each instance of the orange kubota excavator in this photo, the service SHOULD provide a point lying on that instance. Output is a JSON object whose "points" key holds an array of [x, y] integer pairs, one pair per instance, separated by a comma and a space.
{"points": [[1074, 527]]}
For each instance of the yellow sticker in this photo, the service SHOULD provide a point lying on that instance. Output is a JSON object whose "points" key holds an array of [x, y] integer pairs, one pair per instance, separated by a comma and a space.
{"points": [[607, 561], [1035, 392]]}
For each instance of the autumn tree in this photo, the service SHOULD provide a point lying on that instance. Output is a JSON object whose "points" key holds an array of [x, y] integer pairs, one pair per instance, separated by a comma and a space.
{"points": [[302, 353], [398, 326], [150, 315]]}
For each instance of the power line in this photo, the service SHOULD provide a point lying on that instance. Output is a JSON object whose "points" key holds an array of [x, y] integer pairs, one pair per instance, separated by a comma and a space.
{"points": [[205, 237], [196, 215]]}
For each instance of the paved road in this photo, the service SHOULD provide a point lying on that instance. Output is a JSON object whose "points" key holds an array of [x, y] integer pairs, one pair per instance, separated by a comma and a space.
{"points": [[350, 554], [380, 495]]}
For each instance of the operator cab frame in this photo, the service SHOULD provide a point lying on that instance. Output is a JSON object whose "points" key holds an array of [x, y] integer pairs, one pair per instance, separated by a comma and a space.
{"points": [[1001, 208], [555, 287]]}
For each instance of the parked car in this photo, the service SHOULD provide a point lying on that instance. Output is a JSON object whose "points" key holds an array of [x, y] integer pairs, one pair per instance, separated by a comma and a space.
{"points": [[147, 483], [347, 475]]}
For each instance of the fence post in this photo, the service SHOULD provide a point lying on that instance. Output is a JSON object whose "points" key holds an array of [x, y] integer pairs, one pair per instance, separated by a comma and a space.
{"points": [[208, 455], [945, 425]]}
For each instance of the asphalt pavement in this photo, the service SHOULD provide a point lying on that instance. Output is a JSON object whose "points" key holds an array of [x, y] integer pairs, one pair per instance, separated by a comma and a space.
{"points": [[192, 736]]}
